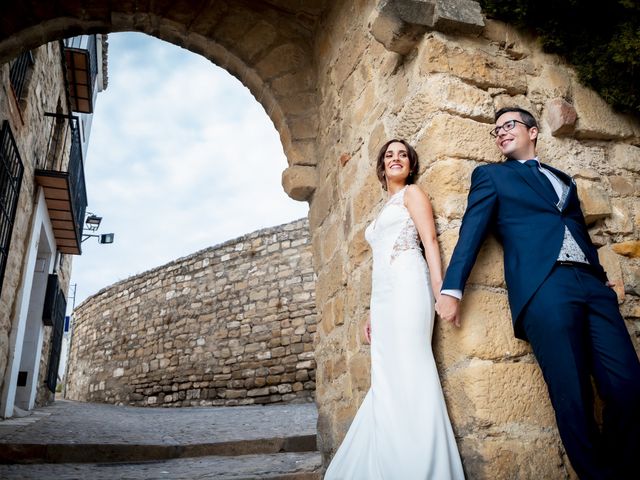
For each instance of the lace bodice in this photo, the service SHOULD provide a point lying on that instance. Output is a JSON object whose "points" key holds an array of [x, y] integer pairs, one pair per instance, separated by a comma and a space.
{"points": [[393, 231]]}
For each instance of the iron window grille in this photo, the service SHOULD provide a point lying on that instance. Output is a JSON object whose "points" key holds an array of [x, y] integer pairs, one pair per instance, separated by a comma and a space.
{"points": [[11, 171], [19, 73], [77, 181]]}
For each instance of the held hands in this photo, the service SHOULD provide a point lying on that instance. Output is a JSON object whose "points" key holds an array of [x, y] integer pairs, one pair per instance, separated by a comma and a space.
{"points": [[448, 308]]}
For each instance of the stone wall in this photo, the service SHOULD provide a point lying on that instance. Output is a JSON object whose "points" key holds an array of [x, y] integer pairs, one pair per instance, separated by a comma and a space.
{"points": [[229, 325], [440, 93], [338, 78], [45, 92]]}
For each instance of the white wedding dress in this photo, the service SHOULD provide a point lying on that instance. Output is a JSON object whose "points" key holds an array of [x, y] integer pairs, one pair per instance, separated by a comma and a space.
{"points": [[402, 429]]}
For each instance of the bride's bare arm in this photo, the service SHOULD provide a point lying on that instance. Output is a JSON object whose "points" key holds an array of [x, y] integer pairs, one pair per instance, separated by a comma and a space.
{"points": [[421, 213]]}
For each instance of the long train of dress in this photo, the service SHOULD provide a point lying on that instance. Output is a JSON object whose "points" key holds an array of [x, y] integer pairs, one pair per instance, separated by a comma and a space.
{"points": [[402, 429]]}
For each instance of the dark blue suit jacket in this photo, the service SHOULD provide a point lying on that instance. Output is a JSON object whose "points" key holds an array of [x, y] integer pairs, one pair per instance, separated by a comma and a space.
{"points": [[509, 200]]}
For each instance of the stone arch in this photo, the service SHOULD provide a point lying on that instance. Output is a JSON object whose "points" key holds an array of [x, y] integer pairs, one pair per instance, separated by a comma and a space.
{"points": [[267, 45]]}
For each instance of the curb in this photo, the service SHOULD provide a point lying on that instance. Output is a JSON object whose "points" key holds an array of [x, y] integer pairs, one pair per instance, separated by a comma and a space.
{"points": [[25, 453]]}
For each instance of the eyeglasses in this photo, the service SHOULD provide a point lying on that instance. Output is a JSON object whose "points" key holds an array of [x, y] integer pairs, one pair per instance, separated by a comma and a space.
{"points": [[506, 126]]}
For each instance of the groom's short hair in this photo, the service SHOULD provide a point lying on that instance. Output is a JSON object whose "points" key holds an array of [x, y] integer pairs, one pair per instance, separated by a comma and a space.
{"points": [[526, 116]]}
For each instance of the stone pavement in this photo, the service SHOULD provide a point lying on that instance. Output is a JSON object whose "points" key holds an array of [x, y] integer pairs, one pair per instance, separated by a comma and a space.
{"points": [[73, 440]]}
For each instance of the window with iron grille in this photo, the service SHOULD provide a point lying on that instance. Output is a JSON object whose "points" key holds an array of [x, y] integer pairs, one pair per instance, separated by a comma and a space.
{"points": [[20, 72], [11, 170]]}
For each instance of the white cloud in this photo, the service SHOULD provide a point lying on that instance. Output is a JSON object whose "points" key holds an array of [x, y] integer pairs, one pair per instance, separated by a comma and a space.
{"points": [[181, 157]]}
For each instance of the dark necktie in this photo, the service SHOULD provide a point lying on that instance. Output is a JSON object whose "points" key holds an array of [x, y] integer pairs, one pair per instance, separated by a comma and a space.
{"points": [[542, 178]]}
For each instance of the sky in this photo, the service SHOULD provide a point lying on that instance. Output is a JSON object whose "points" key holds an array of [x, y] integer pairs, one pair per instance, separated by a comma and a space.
{"points": [[181, 157]]}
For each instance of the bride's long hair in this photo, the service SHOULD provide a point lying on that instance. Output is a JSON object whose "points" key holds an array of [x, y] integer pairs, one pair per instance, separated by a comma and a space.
{"points": [[414, 163]]}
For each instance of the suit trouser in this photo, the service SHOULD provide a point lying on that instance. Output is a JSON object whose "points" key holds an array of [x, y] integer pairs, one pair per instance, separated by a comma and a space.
{"points": [[576, 331]]}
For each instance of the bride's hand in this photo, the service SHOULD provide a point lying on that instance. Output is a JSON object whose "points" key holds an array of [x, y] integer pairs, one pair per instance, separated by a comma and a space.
{"points": [[367, 330], [436, 296]]}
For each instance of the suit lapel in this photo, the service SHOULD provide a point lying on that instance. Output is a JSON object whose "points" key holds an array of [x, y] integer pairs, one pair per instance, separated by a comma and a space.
{"points": [[567, 181], [533, 181]]}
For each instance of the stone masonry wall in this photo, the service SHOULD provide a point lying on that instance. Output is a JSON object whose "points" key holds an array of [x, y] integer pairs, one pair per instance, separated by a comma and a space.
{"points": [[440, 94], [338, 78], [32, 132], [229, 325]]}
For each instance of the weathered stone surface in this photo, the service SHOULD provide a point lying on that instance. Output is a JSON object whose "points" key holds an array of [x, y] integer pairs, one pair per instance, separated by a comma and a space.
{"points": [[449, 136], [553, 82], [594, 200], [620, 220], [611, 264], [622, 185], [458, 16], [486, 331], [223, 326], [632, 283], [399, 24], [300, 181], [596, 119], [627, 157], [447, 183], [506, 456], [629, 248], [392, 31], [486, 393], [438, 55], [560, 116], [440, 92], [359, 94], [43, 91]]}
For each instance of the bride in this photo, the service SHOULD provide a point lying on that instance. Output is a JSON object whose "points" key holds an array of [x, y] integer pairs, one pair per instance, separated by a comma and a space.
{"points": [[402, 429]]}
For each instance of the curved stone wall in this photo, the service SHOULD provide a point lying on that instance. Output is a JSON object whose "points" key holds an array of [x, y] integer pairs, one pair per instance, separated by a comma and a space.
{"points": [[229, 325]]}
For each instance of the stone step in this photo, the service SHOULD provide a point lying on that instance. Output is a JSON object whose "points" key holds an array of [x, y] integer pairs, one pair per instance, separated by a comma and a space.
{"points": [[277, 466], [101, 453]]}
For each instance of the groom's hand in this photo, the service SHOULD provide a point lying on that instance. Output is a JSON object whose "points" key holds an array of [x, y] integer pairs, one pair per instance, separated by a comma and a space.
{"points": [[448, 308]]}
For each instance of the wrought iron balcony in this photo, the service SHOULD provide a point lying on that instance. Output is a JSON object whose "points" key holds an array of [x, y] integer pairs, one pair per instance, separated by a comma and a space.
{"points": [[81, 57], [66, 197]]}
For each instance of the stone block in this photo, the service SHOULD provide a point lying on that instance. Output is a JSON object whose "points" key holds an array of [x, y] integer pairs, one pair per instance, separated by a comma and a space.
{"points": [[299, 182], [282, 59], [391, 31], [446, 183], [533, 454], [560, 117], [485, 70], [622, 185], [359, 371], [611, 264], [620, 221], [458, 16], [632, 277], [596, 118], [630, 248], [498, 394], [553, 81], [441, 92], [627, 157], [594, 200], [261, 35], [452, 95], [449, 136], [486, 331]]}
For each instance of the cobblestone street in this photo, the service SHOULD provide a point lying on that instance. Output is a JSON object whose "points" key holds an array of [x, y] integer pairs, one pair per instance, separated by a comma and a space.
{"points": [[72, 440]]}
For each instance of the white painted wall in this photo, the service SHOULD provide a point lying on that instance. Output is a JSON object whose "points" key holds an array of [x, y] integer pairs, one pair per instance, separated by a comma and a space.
{"points": [[40, 222]]}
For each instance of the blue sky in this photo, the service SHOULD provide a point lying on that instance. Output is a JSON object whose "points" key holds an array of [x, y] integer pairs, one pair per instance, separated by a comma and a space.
{"points": [[181, 157]]}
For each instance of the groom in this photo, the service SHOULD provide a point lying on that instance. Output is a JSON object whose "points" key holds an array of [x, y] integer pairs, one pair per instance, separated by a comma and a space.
{"points": [[560, 299]]}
